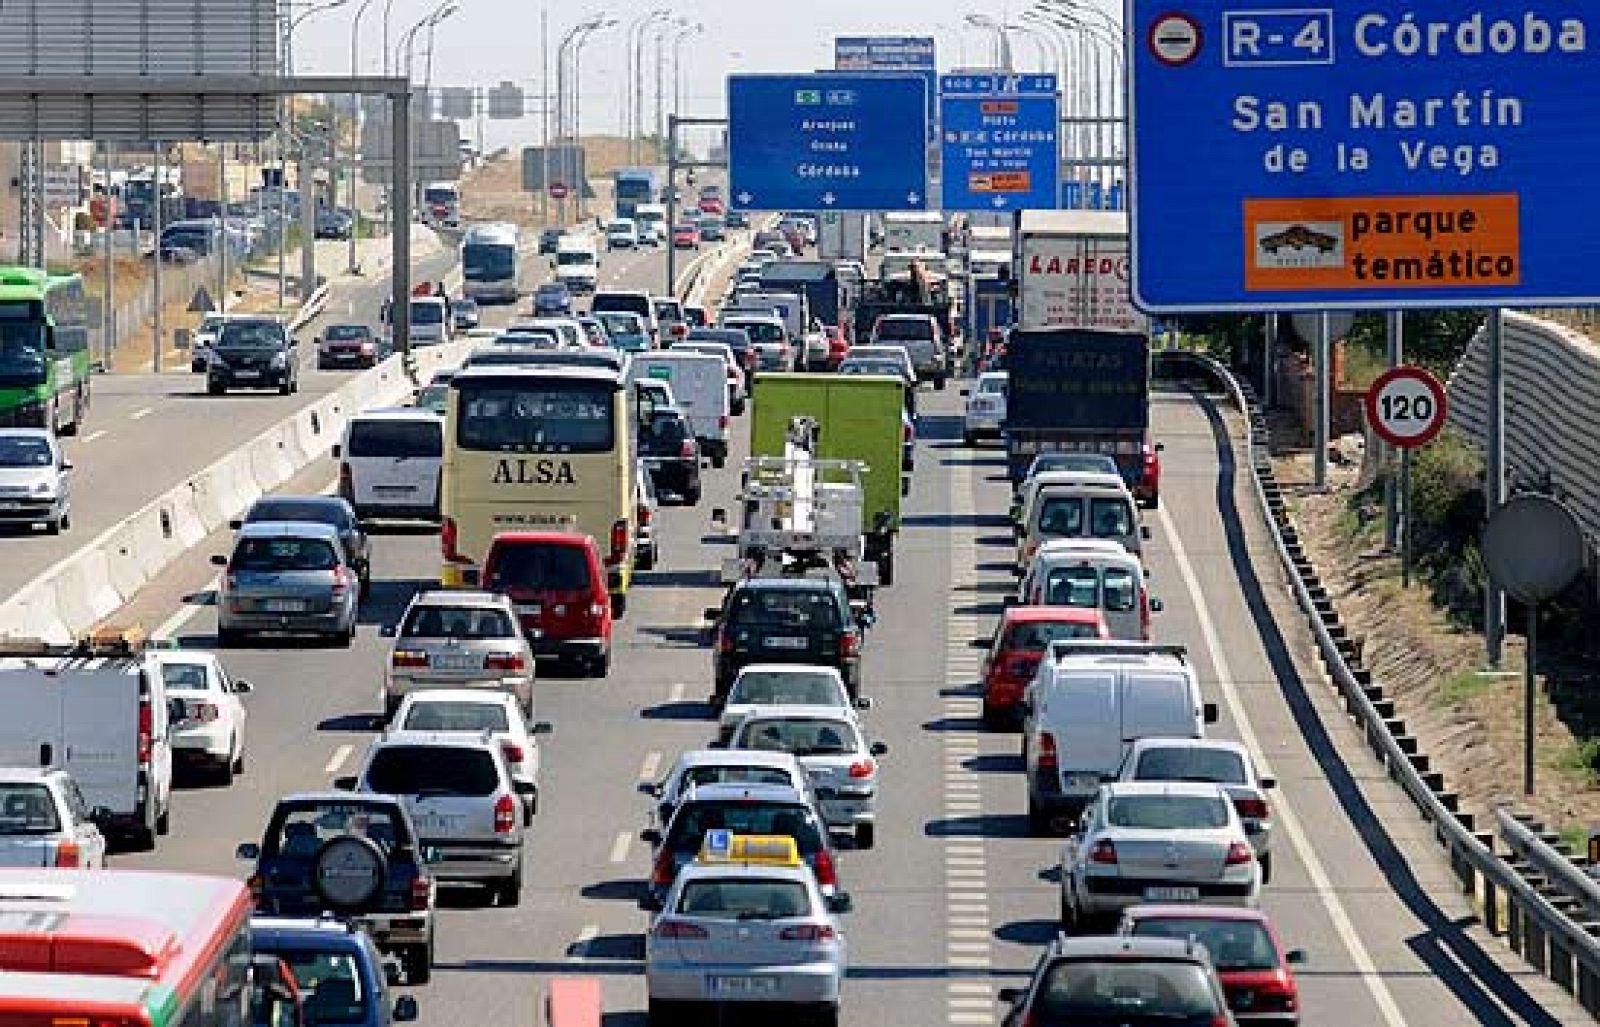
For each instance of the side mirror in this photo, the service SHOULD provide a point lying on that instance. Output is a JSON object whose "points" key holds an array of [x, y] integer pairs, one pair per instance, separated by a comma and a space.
{"points": [[243, 687], [841, 903], [1010, 995], [650, 788], [1211, 712], [389, 631], [235, 524], [979, 643], [650, 904], [1156, 606], [1144, 531], [879, 749], [176, 711], [317, 340], [965, 393], [67, 465], [344, 784], [1295, 957], [1268, 783], [650, 836], [712, 613], [1161, 447], [863, 702], [337, 451], [1025, 707], [543, 727], [247, 850], [218, 560], [405, 1009]]}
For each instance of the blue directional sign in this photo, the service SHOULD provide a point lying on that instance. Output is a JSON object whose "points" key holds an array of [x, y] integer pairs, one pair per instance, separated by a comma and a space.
{"points": [[1000, 149], [827, 142], [1362, 156], [885, 53], [1093, 196]]}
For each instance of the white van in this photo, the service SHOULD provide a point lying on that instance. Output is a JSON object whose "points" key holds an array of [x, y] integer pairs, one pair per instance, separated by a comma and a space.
{"points": [[389, 464], [103, 718], [700, 385], [1092, 574], [577, 264], [1090, 701], [1081, 508], [430, 321]]}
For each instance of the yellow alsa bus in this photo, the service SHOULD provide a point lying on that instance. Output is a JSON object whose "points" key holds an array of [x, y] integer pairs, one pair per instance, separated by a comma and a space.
{"points": [[537, 449]]}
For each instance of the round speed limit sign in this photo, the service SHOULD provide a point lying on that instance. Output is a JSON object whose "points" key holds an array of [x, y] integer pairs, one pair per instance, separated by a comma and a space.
{"points": [[1406, 406]]}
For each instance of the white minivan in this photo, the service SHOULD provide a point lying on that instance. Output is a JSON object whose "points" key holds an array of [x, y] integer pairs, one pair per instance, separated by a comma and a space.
{"points": [[1092, 506], [699, 386], [1092, 574], [1089, 702], [390, 462]]}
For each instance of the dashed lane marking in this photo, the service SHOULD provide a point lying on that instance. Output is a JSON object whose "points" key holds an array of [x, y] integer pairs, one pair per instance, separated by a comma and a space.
{"points": [[677, 693], [650, 767], [102, 433], [619, 848], [337, 759], [141, 413]]}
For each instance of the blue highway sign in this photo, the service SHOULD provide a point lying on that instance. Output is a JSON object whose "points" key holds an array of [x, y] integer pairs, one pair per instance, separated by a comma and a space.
{"points": [[827, 142], [1358, 156], [884, 53], [1000, 141]]}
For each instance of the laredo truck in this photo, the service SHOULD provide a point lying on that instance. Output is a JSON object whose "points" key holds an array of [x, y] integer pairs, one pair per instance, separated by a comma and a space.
{"points": [[859, 418], [1071, 270]]}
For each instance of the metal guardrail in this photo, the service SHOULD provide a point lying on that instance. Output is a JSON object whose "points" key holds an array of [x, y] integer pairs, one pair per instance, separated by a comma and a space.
{"points": [[1546, 858], [1538, 922]]}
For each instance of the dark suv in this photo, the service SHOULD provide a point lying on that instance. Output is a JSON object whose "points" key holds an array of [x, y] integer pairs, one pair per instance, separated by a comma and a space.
{"points": [[1128, 981], [252, 353], [668, 449], [356, 857], [785, 620]]}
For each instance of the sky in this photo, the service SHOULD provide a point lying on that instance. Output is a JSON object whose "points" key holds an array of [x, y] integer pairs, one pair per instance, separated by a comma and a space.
{"points": [[489, 41]]}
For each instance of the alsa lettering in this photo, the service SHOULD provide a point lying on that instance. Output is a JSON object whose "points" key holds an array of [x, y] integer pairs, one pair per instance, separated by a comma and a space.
{"points": [[533, 472]]}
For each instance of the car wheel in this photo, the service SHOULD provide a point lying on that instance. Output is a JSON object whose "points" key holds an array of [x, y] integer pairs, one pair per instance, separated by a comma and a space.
{"points": [[238, 762], [1069, 914], [619, 605], [1265, 859], [938, 383], [1153, 503], [164, 821], [691, 496], [886, 569], [600, 666], [646, 560], [285, 388], [228, 638], [664, 1013], [509, 893], [866, 835], [52, 526], [991, 717], [215, 388], [417, 962], [224, 769]]}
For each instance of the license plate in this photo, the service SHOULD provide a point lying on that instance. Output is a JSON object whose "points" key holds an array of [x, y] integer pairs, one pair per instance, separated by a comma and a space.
{"points": [[1171, 894], [456, 661], [437, 823], [1081, 781], [728, 985], [528, 609], [286, 606], [784, 642], [394, 488], [247, 374]]}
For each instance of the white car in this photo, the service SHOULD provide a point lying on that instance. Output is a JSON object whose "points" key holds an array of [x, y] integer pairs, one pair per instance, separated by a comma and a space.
{"points": [[762, 685], [472, 711], [1220, 762], [986, 407], [46, 822], [842, 765], [622, 233], [211, 734], [35, 479], [697, 767], [1156, 842]]}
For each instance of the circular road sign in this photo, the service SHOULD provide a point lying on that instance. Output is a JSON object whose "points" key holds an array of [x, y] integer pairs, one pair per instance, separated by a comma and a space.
{"points": [[1174, 39], [558, 190], [1533, 547], [1406, 406]]}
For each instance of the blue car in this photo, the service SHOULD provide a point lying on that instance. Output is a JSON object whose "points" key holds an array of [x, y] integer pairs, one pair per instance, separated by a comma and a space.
{"points": [[552, 299], [337, 969]]}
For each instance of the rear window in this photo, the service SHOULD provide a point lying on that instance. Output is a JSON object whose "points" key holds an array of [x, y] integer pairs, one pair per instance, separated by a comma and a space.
{"points": [[304, 831], [1088, 462], [539, 567], [762, 331], [1167, 812], [435, 769], [911, 331], [330, 514], [284, 554], [698, 776], [416, 439], [1120, 589], [1073, 586], [1123, 992], [565, 417], [694, 819], [803, 737], [423, 313], [785, 608], [457, 622], [27, 809], [1038, 635], [1232, 944], [456, 716], [1190, 763], [665, 432], [629, 304], [735, 898], [345, 333], [330, 985], [772, 688]]}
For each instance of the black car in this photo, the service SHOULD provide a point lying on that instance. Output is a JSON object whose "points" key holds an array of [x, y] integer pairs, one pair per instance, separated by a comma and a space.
{"points": [[786, 620], [549, 240], [330, 510], [355, 856], [252, 353], [668, 448], [1127, 981], [552, 299]]}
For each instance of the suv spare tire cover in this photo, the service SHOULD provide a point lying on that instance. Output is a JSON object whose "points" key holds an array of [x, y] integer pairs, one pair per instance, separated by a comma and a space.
{"points": [[348, 872]]}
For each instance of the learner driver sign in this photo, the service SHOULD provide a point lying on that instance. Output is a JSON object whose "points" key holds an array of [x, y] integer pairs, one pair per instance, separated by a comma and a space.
{"points": [[1363, 155]]}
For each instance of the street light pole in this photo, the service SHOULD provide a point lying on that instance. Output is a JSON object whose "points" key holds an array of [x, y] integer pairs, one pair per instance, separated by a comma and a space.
{"points": [[636, 34], [596, 24], [677, 63], [351, 267]]}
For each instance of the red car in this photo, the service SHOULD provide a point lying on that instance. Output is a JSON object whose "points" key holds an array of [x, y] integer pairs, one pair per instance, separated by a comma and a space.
{"points": [[1019, 643], [1148, 491], [686, 237], [558, 583], [1250, 960], [838, 346], [711, 205]]}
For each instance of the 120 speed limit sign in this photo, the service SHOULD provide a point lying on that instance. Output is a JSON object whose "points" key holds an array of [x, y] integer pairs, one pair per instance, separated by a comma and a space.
{"points": [[1406, 407]]}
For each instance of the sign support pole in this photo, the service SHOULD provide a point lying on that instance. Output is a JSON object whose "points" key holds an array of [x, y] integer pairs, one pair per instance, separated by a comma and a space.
{"points": [[1494, 492], [400, 214], [1530, 692], [157, 217], [1319, 431], [1395, 323], [1403, 520], [108, 314], [1269, 352], [672, 202]]}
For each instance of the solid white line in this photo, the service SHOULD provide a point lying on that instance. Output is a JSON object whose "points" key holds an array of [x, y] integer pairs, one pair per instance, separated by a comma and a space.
{"points": [[650, 767], [619, 848], [141, 413], [1342, 924], [678, 690], [102, 433], [337, 759], [182, 615]]}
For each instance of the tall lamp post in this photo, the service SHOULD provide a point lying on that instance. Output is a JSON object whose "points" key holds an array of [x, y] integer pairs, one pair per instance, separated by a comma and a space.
{"points": [[677, 63], [355, 132], [1002, 40], [407, 48], [634, 127], [598, 23]]}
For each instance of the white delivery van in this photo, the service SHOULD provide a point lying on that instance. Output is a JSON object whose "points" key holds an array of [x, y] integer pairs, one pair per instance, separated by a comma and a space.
{"points": [[700, 387], [577, 264], [389, 464], [1092, 574], [430, 321], [1088, 703], [1081, 509], [102, 715]]}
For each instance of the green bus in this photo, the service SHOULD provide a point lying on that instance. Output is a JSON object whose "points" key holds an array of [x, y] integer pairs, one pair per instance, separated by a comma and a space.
{"points": [[44, 350]]}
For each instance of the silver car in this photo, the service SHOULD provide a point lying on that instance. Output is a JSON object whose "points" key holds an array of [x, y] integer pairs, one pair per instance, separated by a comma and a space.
{"points": [[458, 640], [842, 766], [1217, 761], [697, 768], [741, 933], [1145, 842], [764, 685], [288, 578], [35, 479]]}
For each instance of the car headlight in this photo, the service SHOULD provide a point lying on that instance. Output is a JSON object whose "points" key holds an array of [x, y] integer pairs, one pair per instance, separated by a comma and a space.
{"points": [[44, 488], [279, 360]]}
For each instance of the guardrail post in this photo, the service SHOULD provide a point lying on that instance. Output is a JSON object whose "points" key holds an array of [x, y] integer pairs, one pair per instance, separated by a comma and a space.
{"points": [[1535, 949], [1491, 906], [1561, 966]]}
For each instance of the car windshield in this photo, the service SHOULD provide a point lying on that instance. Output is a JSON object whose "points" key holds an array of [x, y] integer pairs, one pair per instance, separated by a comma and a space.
{"points": [[1124, 992], [801, 736], [1061, 516], [304, 831], [694, 819], [1191, 763], [699, 776], [413, 439], [482, 261], [668, 310], [805, 688], [552, 291], [432, 770], [1037, 635], [528, 415], [330, 986], [434, 397], [346, 333], [666, 434], [567, 258], [25, 451], [734, 898], [908, 330], [1167, 812], [539, 567], [1232, 944], [251, 335], [888, 367], [283, 554], [457, 622], [790, 608], [992, 386], [456, 716], [1073, 586], [427, 313], [1110, 518], [760, 331], [311, 511], [27, 809]]}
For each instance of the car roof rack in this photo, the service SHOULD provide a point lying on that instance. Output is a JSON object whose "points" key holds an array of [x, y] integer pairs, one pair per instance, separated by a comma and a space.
{"points": [[1063, 648]]}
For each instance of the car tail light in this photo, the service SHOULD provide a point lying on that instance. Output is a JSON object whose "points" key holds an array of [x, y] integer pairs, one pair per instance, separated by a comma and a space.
{"points": [[421, 892], [808, 932], [504, 662], [822, 867], [146, 730], [68, 854], [505, 815], [646, 515], [341, 582], [686, 451], [513, 753], [907, 433], [1238, 854], [849, 644], [1048, 758], [450, 540], [619, 541], [722, 421], [254, 884], [661, 873], [863, 768], [1104, 851], [679, 929], [1251, 809], [408, 659], [347, 482]]}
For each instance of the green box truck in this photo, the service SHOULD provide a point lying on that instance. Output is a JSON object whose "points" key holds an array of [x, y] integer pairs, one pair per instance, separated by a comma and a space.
{"points": [[859, 417]]}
